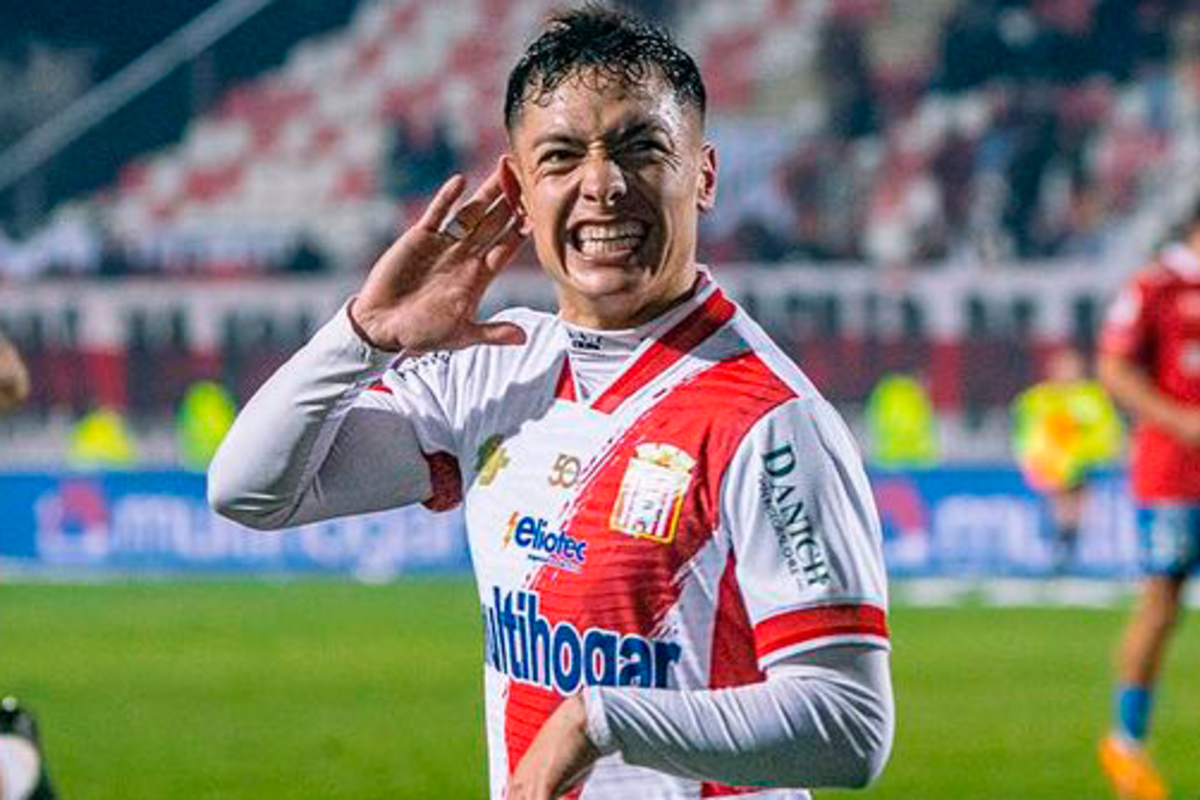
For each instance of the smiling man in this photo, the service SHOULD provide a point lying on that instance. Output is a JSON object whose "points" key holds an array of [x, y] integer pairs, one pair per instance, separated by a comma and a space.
{"points": [[677, 554]]}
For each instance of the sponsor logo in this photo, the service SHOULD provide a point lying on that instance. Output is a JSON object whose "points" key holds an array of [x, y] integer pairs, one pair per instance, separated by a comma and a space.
{"points": [[74, 523], [585, 341], [652, 492], [490, 459], [161, 523], [556, 548], [564, 473], [798, 542], [408, 365], [524, 644]]}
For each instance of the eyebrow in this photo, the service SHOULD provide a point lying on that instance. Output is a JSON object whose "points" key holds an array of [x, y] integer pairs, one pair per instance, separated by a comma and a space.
{"points": [[624, 133]]}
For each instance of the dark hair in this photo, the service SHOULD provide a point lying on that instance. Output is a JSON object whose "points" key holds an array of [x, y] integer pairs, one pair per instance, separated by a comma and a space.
{"points": [[609, 44]]}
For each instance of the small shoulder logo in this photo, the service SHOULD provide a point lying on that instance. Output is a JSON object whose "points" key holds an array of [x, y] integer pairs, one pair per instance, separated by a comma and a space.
{"points": [[490, 459], [432, 360], [652, 491]]}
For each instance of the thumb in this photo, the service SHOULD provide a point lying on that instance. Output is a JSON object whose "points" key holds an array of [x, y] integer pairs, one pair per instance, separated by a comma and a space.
{"points": [[502, 333]]}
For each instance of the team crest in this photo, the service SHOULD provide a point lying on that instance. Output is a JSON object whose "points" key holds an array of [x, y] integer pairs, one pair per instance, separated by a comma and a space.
{"points": [[652, 490]]}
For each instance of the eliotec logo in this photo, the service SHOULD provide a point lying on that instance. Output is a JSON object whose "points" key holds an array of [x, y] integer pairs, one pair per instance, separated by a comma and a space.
{"points": [[554, 547]]}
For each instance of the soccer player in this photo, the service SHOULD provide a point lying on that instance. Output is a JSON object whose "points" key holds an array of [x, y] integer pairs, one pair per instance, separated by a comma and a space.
{"points": [[677, 554], [1150, 362], [22, 770]]}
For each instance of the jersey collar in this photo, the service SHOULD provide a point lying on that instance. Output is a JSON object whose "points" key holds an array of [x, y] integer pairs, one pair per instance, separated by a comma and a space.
{"points": [[666, 341]]}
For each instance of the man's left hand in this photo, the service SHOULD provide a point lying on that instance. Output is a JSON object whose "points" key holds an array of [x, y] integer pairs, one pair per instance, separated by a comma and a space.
{"points": [[560, 755]]}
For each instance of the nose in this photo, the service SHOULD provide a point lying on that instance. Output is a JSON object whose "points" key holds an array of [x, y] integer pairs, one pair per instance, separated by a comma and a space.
{"points": [[603, 181]]}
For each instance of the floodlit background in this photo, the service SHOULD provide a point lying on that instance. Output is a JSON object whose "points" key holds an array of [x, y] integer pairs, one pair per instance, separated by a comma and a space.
{"points": [[947, 191]]}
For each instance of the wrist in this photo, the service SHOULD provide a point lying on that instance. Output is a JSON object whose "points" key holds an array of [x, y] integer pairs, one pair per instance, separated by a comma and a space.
{"points": [[595, 723], [361, 332]]}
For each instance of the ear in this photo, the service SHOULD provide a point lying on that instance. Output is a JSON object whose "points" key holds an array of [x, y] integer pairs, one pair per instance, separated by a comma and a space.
{"points": [[510, 183], [706, 189]]}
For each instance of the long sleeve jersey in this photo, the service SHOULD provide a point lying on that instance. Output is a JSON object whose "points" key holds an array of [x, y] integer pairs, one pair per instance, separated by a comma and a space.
{"points": [[682, 531]]}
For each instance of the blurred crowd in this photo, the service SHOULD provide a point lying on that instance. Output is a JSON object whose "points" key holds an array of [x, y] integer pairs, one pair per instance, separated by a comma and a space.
{"points": [[1017, 130], [1031, 131]]}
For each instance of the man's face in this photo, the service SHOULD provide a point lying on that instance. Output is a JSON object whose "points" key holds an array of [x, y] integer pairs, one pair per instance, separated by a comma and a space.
{"points": [[609, 179]]}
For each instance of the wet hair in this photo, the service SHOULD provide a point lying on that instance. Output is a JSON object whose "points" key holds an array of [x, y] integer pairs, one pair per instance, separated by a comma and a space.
{"points": [[600, 44]]}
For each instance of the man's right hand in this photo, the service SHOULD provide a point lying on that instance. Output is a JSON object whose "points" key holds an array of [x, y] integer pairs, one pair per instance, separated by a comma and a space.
{"points": [[424, 293]]}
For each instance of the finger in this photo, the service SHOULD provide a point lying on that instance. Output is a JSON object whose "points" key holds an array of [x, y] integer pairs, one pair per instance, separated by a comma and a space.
{"points": [[495, 221], [505, 247], [439, 207], [497, 333], [476, 207]]}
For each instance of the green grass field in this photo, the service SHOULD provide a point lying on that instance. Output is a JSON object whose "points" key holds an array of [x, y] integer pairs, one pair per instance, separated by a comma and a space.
{"points": [[317, 690]]}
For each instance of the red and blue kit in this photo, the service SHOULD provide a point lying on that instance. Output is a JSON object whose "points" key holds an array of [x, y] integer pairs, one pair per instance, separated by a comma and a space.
{"points": [[1155, 321]]}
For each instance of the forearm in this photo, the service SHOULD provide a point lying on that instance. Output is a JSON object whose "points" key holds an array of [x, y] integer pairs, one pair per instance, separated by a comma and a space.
{"points": [[298, 452], [1131, 387], [825, 722]]}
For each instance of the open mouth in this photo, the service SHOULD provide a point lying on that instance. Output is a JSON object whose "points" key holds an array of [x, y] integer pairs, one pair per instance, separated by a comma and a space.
{"points": [[608, 240]]}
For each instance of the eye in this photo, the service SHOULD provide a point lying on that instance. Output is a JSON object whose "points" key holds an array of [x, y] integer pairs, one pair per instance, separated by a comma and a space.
{"points": [[644, 149], [555, 157]]}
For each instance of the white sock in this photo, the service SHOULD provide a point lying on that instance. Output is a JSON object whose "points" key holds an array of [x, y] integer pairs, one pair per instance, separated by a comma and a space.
{"points": [[19, 767]]}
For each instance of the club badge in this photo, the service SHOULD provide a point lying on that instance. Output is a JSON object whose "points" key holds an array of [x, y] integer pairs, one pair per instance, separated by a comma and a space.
{"points": [[652, 490]]}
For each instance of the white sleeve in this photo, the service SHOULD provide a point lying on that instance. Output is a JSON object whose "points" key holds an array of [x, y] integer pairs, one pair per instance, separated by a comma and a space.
{"points": [[825, 718], [313, 443], [799, 519], [805, 535]]}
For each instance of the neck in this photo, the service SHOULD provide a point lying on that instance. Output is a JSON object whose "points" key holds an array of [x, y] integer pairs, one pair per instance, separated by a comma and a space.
{"points": [[615, 313]]}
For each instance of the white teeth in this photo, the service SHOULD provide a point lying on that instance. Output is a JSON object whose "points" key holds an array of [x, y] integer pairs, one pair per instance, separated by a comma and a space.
{"points": [[605, 233], [597, 247], [595, 239]]}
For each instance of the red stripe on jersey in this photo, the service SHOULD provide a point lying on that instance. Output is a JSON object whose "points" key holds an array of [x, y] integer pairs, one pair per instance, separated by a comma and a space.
{"points": [[672, 346], [721, 790], [379, 386], [732, 662], [630, 583], [807, 624], [565, 388], [732, 659], [446, 478]]}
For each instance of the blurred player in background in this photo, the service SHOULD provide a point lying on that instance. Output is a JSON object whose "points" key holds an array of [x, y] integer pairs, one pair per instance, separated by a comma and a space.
{"points": [[22, 768], [1150, 362], [22, 771], [14, 377], [677, 553], [1064, 428]]}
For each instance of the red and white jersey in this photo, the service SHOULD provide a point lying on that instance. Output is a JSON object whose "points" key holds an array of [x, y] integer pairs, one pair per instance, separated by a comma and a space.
{"points": [[1155, 321], [698, 519]]}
